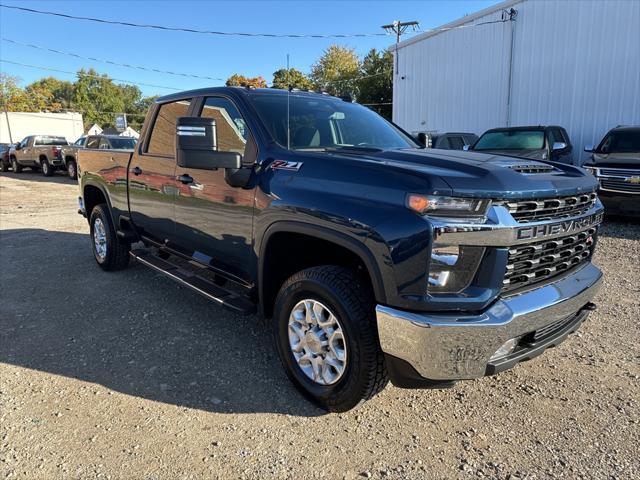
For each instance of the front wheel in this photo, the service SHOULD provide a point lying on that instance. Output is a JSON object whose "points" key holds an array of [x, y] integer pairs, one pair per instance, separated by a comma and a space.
{"points": [[327, 339], [110, 252], [3, 166], [15, 166]]}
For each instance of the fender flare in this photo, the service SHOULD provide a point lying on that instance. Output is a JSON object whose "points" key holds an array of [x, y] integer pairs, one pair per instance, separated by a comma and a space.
{"points": [[105, 194], [339, 238]]}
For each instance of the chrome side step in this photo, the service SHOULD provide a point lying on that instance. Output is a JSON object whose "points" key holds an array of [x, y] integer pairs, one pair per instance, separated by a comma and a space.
{"points": [[226, 298]]}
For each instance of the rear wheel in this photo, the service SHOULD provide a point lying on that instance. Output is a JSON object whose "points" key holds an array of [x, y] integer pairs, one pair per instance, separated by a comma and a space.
{"points": [[110, 252], [15, 166], [3, 166], [72, 169], [327, 339], [47, 169]]}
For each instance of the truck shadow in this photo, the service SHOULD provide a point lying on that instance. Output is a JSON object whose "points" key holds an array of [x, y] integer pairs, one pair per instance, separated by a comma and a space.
{"points": [[133, 332], [28, 175]]}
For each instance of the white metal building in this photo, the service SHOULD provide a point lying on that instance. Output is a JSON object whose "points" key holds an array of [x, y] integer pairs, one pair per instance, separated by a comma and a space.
{"points": [[574, 63], [22, 124]]}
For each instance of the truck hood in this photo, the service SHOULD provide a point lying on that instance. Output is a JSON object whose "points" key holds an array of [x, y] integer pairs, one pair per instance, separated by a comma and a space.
{"points": [[473, 174], [615, 160]]}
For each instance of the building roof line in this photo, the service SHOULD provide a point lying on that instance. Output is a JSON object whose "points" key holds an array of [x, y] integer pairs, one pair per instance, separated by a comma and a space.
{"points": [[457, 23]]}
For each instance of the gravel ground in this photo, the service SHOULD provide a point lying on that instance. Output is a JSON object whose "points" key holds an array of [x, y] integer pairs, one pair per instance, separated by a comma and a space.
{"points": [[128, 375]]}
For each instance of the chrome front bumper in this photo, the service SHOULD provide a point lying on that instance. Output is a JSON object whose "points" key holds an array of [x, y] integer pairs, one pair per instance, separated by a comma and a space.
{"points": [[459, 346]]}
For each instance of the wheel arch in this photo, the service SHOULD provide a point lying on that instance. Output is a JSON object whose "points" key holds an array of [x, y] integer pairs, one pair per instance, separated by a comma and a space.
{"points": [[92, 194], [269, 283]]}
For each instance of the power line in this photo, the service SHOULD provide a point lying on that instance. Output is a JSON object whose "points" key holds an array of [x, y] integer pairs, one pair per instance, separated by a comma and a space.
{"points": [[193, 30], [88, 75], [110, 62]]}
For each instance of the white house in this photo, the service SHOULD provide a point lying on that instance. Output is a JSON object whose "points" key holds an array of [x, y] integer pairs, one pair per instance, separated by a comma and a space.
{"points": [[571, 63], [94, 130]]}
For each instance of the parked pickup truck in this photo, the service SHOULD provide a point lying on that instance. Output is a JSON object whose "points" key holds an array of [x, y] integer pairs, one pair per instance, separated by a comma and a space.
{"points": [[615, 162], [104, 142], [537, 143], [373, 258], [38, 152]]}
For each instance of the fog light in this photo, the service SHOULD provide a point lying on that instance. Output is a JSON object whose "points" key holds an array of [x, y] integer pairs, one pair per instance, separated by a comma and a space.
{"points": [[506, 348]]}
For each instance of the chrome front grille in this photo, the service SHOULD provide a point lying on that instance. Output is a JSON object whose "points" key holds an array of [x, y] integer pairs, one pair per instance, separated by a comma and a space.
{"points": [[525, 211], [618, 185], [619, 172], [536, 262]]}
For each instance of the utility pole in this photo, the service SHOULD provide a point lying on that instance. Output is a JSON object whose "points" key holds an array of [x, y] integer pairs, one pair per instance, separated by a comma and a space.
{"points": [[7, 116], [399, 28]]}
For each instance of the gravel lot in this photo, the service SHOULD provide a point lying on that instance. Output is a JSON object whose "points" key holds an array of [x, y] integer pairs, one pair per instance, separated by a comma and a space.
{"points": [[128, 375]]}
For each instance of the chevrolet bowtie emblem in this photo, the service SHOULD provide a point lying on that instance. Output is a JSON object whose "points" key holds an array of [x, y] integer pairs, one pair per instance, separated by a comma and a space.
{"points": [[634, 180]]}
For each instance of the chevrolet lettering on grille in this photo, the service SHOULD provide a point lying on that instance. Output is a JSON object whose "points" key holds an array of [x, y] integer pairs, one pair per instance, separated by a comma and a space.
{"points": [[568, 226]]}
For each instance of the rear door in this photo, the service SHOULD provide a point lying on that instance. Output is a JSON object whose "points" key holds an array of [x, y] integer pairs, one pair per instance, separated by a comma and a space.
{"points": [[151, 176], [213, 219]]}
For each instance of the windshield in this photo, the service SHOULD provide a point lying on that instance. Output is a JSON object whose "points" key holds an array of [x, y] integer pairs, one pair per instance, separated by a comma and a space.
{"points": [[511, 140], [123, 143], [621, 142], [317, 122]]}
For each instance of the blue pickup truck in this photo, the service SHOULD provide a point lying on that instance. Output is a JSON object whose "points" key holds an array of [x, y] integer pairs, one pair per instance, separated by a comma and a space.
{"points": [[371, 257]]}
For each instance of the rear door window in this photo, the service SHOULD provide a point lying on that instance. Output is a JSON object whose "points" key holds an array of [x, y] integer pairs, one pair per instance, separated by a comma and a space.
{"points": [[456, 143], [163, 134], [104, 144], [93, 142]]}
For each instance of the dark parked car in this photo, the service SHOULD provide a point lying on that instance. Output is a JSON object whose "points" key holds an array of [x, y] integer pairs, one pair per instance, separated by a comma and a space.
{"points": [[5, 161], [446, 141], [374, 258], [615, 162], [102, 142], [537, 143]]}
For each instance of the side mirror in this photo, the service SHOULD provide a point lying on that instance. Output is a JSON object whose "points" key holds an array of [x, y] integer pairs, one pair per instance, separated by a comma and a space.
{"points": [[18, 146], [588, 148], [558, 146], [466, 148], [421, 138], [197, 146]]}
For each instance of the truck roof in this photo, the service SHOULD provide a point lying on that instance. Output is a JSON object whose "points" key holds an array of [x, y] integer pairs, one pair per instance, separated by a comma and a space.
{"points": [[520, 128], [200, 92]]}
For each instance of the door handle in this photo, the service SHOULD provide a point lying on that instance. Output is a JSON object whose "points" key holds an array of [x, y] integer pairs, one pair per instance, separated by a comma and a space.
{"points": [[136, 171], [185, 179]]}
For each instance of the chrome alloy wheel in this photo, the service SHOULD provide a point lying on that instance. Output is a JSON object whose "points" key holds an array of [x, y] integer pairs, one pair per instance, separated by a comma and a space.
{"points": [[317, 342], [100, 239]]}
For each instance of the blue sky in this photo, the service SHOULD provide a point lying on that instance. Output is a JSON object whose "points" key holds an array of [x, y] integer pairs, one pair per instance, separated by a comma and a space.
{"points": [[208, 55]]}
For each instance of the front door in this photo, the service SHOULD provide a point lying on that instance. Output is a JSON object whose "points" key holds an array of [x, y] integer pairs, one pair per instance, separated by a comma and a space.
{"points": [[152, 183], [213, 219]]}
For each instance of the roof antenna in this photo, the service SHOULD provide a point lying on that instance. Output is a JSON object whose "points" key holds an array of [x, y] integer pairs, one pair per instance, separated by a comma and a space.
{"points": [[288, 104]]}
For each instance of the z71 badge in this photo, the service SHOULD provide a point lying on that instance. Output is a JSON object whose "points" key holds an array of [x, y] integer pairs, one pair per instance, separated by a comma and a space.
{"points": [[284, 165]]}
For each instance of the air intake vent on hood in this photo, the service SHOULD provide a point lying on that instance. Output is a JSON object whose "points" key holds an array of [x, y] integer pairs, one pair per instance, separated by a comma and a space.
{"points": [[531, 168]]}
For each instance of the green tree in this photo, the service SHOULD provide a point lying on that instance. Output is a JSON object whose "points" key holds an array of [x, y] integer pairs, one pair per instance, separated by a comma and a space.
{"points": [[95, 95], [12, 96], [284, 78], [237, 80], [336, 71], [376, 83], [56, 95]]}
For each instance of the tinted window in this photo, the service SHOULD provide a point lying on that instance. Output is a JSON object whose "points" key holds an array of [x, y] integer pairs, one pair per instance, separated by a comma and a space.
{"points": [[104, 144], [163, 134], [231, 129], [93, 142], [24, 142], [123, 143], [326, 122], [621, 142], [555, 135], [456, 143], [80, 141], [511, 140], [51, 141]]}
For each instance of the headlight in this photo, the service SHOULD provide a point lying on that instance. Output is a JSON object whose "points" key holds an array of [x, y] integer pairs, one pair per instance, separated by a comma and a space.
{"points": [[592, 170], [453, 267], [447, 206]]}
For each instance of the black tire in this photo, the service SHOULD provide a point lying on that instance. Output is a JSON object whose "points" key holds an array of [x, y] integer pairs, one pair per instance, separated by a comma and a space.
{"points": [[15, 166], [352, 304], [3, 166], [72, 169], [47, 169], [116, 256]]}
